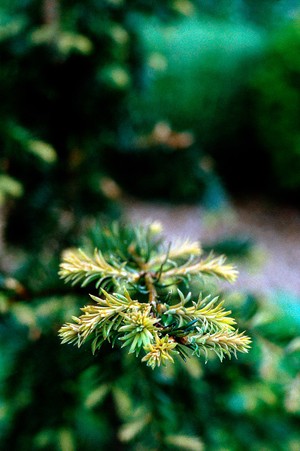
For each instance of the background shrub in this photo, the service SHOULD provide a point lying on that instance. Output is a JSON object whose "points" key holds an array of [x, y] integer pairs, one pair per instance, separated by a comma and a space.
{"points": [[277, 106]]}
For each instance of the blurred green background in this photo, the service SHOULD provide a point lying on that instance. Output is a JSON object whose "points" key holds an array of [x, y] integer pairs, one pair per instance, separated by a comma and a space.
{"points": [[178, 101]]}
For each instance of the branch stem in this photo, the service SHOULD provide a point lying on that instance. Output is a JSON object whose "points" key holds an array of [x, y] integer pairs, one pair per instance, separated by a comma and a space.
{"points": [[152, 290]]}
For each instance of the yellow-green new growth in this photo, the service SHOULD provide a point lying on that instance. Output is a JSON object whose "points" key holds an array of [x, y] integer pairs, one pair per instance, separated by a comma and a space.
{"points": [[223, 343], [141, 308], [160, 351], [77, 267], [139, 328], [211, 266], [211, 314], [102, 317]]}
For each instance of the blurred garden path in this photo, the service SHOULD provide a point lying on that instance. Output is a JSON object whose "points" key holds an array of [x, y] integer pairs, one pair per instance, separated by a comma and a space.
{"points": [[275, 231]]}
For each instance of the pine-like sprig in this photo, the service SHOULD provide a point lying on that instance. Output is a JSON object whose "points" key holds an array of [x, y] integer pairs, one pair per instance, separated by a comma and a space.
{"points": [[223, 343], [132, 311], [78, 267], [211, 265], [211, 314]]}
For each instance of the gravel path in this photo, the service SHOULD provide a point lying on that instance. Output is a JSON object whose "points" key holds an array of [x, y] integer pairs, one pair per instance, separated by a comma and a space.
{"points": [[275, 265]]}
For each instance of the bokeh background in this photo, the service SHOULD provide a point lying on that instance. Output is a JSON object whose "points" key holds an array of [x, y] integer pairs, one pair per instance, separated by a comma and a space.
{"points": [[182, 111]]}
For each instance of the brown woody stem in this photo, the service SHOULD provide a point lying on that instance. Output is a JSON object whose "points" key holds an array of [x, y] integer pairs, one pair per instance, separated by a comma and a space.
{"points": [[151, 289]]}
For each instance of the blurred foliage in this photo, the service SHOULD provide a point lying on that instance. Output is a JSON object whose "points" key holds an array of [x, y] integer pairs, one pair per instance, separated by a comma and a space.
{"points": [[198, 75], [263, 12], [276, 89], [51, 89], [67, 69], [195, 66], [233, 84], [239, 246], [157, 164], [84, 86]]}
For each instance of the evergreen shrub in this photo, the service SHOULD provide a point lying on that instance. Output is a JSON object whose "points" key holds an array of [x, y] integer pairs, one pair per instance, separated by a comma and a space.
{"points": [[57, 397]]}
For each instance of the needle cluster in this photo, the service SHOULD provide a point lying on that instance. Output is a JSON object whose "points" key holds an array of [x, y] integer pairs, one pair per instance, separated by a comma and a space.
{"points": [[143, 302]]}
